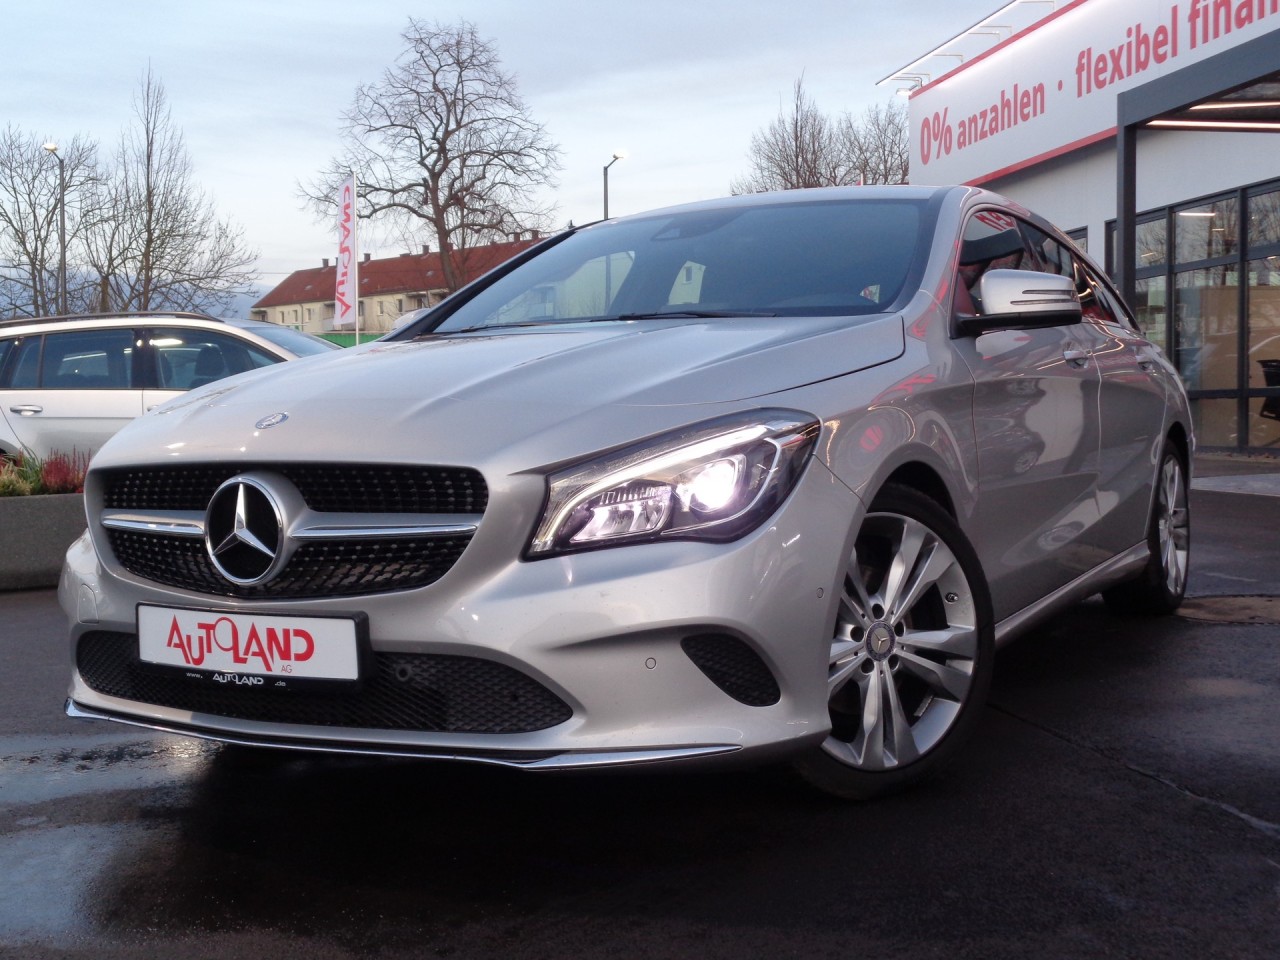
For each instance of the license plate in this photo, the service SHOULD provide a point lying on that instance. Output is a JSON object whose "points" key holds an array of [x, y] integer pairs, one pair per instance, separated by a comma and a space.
{"points": [[250, 646]]}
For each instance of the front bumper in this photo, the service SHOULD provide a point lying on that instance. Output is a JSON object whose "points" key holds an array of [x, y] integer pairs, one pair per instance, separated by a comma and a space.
{"points": [[607, 632]]}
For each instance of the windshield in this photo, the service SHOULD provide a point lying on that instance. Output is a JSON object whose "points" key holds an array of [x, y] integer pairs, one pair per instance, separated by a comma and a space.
{"points": [[821, 258]]}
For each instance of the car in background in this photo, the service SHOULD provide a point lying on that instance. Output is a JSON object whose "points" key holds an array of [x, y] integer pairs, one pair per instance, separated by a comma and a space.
{"points": [[760, 478], [68, 383]]}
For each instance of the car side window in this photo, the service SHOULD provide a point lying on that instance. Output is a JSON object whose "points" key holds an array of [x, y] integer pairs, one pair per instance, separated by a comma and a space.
{"points": [[88, 360], [1051, 256], [187, 358], [991, 241], [26, 364], [1099, 302], [6, 348]]}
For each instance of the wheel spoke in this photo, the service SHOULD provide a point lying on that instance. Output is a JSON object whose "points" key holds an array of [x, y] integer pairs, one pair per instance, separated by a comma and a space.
{"points": [[945, 679], [930, 564], [901, 573], [885, 739], [953, 641], [847, 657], [858, 603], [869, 746], [904, 741]]}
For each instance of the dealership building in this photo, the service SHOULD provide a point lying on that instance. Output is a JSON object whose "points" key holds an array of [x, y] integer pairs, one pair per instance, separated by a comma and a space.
{"points": [[1146, 130]]}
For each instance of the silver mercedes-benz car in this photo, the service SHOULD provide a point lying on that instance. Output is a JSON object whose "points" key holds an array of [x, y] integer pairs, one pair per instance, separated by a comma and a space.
{"points": [[761, 478]]}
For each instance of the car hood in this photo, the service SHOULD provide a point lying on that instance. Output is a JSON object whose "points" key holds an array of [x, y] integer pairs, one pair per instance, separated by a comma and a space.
{"points": [[506, 388]]}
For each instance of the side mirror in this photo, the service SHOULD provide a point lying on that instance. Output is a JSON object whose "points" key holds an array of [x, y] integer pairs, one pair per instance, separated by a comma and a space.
{"points": [[1023, 300]]}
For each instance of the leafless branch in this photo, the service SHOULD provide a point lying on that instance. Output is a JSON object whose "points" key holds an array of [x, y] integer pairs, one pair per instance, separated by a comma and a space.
{"points": [[444, 142]]}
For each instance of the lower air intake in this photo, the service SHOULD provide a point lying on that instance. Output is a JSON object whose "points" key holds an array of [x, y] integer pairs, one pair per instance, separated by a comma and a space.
{"points": [[734, 667], [419, 692]]}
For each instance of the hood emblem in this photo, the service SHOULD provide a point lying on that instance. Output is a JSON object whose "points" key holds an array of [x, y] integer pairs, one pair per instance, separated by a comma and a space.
{"points": [[271, 420], [244, 531]]}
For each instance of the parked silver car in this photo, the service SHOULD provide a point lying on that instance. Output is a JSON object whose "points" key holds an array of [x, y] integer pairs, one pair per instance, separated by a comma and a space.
{"points": [[764, 477], [68, 383]]}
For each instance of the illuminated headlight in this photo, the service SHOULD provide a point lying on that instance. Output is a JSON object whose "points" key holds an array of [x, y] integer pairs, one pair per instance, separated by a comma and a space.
{"points": [[716, 480]]}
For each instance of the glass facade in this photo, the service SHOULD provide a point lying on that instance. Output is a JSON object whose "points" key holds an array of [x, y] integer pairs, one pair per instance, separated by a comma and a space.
{"points": [[1208, 292]]}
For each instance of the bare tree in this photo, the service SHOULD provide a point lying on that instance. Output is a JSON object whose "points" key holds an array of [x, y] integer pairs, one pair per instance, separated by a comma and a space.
{"points": [[29, 198], [803, 147], [877, 145], [800, 148], [443, 143], [155, 241]]}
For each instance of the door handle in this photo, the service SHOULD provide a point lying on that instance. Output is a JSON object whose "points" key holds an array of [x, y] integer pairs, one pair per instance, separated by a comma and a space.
{"points": [[1076, 356], [26, 409]]}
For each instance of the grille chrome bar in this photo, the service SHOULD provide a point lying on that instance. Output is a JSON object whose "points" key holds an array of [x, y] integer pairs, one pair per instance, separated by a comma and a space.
{"points": [[332, 526], [174, 523], [359, 526]]}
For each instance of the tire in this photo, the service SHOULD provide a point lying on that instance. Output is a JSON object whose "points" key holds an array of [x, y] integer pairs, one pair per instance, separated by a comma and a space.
{"points": [[911, 652], [1162, 584]]}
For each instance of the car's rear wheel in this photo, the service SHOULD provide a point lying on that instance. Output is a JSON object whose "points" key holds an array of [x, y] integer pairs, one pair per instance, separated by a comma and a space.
{"points": [[1162, 584], [910, 658]]}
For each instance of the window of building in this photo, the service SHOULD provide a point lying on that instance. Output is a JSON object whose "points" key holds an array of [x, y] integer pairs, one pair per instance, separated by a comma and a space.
{"points": [[1206, 324], [1206, 231], [1264, 219], [1152, 250], [1207, 291]]}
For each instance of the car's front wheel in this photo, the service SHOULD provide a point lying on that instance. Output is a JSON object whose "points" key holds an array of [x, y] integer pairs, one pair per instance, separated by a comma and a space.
{"points": [[910, 659]]}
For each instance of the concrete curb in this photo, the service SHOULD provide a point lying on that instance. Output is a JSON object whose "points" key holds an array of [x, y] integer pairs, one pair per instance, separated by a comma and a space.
{"points": [[34, 535]]}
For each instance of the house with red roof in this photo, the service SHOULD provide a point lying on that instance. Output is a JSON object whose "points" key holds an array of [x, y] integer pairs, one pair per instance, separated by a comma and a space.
{"points": [[389, 287]]}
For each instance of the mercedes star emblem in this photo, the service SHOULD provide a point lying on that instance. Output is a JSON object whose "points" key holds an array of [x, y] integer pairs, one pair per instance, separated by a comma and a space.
{"points": [[244, 530], [271, 420]]}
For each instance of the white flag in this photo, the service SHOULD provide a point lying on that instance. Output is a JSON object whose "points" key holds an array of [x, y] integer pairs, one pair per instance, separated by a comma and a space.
{"points": [[346, 297]]}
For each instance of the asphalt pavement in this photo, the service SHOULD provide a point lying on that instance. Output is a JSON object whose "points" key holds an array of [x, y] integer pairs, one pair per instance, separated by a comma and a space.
{"points": [[1121, 799]]}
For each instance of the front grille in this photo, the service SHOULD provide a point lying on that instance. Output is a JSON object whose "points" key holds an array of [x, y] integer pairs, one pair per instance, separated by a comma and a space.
{"points": [[734, 667], [341, 488], [329, 568], [332, 567], [421, 692]]}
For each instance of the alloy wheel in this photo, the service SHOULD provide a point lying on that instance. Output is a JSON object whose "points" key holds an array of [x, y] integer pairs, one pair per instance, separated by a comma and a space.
{"points": [[903, 657]]}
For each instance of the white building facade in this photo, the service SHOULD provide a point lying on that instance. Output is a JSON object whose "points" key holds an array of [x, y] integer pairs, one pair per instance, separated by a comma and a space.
{"points": [[1146, 130]]}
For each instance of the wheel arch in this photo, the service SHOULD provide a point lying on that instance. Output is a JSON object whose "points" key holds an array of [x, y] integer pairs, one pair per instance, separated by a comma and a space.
{"points": [[923, 478], [1178, 437]]}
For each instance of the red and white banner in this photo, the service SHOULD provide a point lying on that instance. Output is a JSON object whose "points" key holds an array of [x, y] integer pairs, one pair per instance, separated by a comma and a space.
{"points": [[346, 297], [1052, 88]]}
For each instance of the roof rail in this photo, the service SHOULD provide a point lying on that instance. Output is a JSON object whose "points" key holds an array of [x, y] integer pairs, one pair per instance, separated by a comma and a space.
{"points": [[113, 315]]}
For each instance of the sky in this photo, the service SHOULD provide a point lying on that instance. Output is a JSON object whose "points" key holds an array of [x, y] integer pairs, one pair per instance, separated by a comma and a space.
{"points": [[257, 87]]}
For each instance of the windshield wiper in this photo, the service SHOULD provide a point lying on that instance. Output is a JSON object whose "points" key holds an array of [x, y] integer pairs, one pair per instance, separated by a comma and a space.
{"points": [[685, 314]]}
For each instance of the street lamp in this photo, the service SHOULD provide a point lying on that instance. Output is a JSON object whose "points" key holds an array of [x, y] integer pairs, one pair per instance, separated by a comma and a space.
{"points": [[62, 227], [619, 155]]}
